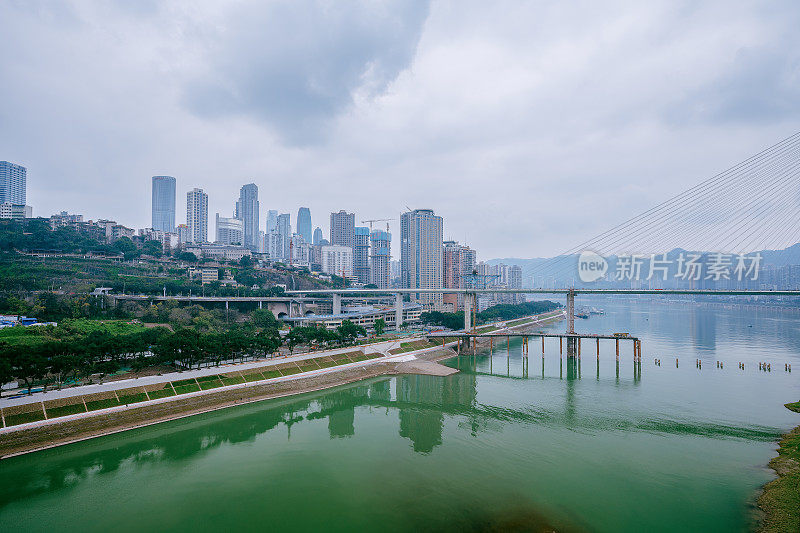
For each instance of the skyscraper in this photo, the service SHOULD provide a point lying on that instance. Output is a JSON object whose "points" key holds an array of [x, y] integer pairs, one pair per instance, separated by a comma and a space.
{"points": [[343, 228], [247, 212], [380, 253], [197, 215], [285, 233], [272, 221], [13, 183], [317, 235], [458, 262], [421, 254], [229, 230], [163, 204], [361, 254], [304, 223]]}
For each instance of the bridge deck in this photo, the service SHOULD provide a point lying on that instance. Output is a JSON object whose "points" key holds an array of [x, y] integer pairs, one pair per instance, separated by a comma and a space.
{"points": [[546, 335]]}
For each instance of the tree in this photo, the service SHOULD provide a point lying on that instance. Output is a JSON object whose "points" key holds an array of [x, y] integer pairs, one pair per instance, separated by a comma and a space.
{"points": [[380, 326], [246, 261], [126, 247], [6, 373], [154, 248], [349, 331], [263, 319], [187, 257]]}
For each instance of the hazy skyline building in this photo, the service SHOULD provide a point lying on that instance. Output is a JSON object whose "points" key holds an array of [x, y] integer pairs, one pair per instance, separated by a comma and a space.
{"points": [[285, 234], [13, 183], [229, 230], [337, 260], [304, 223], [317, 235], [272, 220], [343, 225], [163, 204], [421, 254], [197, 216], [247, 212], [458, 262], [361, 254], [379, 258]]}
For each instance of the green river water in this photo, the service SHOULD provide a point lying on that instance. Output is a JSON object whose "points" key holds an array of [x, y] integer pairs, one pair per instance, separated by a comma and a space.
{"points": [[503, 445]]}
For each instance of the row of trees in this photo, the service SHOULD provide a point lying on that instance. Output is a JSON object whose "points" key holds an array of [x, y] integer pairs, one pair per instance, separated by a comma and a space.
{"points": [[69, 358], [498, 312]]}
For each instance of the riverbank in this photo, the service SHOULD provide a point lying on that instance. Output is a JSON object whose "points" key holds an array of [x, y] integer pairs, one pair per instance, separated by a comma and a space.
{"points": [[780, 499], [52, 433]]}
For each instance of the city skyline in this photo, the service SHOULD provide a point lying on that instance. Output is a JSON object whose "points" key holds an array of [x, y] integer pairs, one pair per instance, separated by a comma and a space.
{"points": [[409, 112]]}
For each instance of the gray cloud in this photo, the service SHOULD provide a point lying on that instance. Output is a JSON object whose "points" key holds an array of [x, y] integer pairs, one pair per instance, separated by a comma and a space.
{"points": [[761, 85], [529, 127], [297, 64]]}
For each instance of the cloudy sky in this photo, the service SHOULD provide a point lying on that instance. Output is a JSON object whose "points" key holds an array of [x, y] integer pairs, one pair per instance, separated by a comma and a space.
{"points": [[529, 126]]}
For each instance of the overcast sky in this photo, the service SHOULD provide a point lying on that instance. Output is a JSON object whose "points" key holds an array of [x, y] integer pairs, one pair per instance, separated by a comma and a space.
{"points": [[528, 126]]}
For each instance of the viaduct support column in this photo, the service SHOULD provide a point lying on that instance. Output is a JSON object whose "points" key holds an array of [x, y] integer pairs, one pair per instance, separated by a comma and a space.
{"points": [[571, 311], [398, 311], [469, 303], [337, 304]]}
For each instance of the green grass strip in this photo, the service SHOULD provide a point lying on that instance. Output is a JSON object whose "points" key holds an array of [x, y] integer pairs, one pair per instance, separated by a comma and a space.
{"points": [[163, 393], [24, 418], [132, 398], [185, 389], [232, 380], [272, 374], [255, 376], [206, 385], [64, 410], [288, 371], [214, 377], [182, 382], [102, 404]]}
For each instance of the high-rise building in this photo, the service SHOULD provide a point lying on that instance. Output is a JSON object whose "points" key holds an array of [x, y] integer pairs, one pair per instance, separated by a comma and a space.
{"points": [[379, 256], [197, 216], [337, 260], [229, 230], [272, 220], [285, 234], [13, 183], [304, 223], [318, 235], [458, 262], [421, 254], [343, 226], [300, 250], [247, 212], [163, 204], [361, 254]]}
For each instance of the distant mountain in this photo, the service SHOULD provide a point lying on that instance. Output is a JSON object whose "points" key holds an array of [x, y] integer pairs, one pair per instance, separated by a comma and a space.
{"points": [[565, 272]]}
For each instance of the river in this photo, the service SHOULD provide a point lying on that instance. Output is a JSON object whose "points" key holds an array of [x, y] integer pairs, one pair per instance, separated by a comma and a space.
{"points": [[503, 445]]}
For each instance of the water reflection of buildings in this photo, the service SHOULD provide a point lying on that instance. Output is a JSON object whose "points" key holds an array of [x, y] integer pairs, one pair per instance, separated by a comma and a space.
{"points": [[422, 402], [704, 329], [426, 399]]}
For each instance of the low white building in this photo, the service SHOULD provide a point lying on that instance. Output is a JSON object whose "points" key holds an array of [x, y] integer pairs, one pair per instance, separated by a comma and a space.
{"points": [[218, 251], [15, 211], [337, 260]]}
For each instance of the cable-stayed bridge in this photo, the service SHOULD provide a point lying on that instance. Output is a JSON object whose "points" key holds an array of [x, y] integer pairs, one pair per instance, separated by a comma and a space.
{"points": [[719, 238]]}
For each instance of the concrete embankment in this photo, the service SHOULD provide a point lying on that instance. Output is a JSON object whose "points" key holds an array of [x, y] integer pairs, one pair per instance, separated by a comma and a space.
{"points": [[57, 432]]}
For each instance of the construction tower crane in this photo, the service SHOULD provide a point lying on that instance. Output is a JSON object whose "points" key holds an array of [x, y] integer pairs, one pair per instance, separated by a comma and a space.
{"points": [[387, 220]]}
